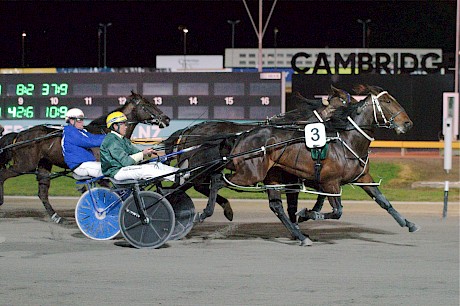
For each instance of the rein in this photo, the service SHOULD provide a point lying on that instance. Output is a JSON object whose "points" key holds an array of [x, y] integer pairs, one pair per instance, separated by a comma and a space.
{"points": [[22, 143]]}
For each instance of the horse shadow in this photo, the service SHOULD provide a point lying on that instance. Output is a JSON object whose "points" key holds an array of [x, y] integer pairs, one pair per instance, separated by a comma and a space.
{"points": [[326, 233]]}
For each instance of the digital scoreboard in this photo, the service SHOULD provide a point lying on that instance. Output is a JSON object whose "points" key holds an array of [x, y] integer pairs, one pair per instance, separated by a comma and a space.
{"points": [[186, 96]]}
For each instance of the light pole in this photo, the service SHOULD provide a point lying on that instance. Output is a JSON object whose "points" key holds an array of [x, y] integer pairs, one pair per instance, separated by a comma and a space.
{"points": [[364, 23], [233, 23], [23, 55], [104, 27], [275, 44], [184, 31], [99, 33]]}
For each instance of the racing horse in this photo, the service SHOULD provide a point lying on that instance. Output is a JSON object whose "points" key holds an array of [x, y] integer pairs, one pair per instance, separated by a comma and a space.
{"points": [[37, 149], [264, 149], [197, 134]]}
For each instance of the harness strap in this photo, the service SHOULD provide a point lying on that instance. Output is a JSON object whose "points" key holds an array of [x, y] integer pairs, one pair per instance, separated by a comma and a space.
{"points": [[359, 129], [318, 116]]}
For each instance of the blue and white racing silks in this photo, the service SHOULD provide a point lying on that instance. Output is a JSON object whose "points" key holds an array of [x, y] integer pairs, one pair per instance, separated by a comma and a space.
{"points": [[76, 146]]}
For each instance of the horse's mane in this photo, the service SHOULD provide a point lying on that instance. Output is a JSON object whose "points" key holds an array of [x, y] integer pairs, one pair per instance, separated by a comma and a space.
{"points": [[338, 121], [367, 89]]}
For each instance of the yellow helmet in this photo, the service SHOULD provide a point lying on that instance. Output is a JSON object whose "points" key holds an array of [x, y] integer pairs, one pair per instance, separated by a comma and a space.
{"points": [[115, 117]]}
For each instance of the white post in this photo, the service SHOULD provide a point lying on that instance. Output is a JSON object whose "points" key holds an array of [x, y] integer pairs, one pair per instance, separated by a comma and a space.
{"points": [[448, 145], [446, 197]]}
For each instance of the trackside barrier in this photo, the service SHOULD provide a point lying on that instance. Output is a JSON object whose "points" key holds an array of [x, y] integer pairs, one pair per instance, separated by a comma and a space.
{"points": [[147, 141], [404, 145]]}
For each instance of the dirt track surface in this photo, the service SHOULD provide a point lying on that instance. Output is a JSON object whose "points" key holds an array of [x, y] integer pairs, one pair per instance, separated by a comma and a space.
{"points": [[364, 258]]}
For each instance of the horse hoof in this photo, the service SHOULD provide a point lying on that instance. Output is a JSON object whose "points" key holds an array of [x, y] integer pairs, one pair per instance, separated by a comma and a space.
{"points": [[59, 220], [302, 213], [306, 242], [228, 211], [56, 218], [413, 227]]}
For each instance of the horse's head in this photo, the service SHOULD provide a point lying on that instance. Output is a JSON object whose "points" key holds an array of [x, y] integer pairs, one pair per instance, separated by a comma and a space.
{"points": [[343, 97], [387, 111], [338, 98], [145, 111]]}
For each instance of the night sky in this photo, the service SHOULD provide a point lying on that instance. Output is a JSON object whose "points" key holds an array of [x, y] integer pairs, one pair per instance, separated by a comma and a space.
{"points": [[65, 33]]}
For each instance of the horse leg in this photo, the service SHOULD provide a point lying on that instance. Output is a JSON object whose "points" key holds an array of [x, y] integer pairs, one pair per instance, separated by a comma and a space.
{"points": [[292, 199], [276, 205], [374, 193], [216, 183], [5, 173], [223, 202], [44, 182], [1, 192]]}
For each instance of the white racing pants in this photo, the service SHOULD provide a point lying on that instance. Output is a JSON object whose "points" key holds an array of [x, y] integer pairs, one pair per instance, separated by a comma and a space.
{"points": [[145, 171], [89, 169]]}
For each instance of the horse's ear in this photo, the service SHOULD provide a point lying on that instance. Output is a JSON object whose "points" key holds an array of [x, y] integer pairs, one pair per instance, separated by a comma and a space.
{"points": [[360, 89], [334, 89]]}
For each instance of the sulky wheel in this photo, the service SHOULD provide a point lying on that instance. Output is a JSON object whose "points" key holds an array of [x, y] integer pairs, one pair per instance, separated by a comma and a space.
{"points": [[184, 211], [158, 225], [97, 213]]}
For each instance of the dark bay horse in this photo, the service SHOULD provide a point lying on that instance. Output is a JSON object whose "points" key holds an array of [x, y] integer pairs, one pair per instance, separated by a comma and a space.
{"points": [[37, 149], [199, 133], [346, 161]]}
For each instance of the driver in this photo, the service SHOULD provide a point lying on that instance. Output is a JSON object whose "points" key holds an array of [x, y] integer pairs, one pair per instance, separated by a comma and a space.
{"points": [[77, 143], [120, 158]]}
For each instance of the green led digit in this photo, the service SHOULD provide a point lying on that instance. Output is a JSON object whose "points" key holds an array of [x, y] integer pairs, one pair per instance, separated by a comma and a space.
{"points": [[60, 89], [53, 112], [0, 90], [11, 112], [62, 111], [55, 89], [63, 89], [29, 112], [25, 89], [45, 89]]}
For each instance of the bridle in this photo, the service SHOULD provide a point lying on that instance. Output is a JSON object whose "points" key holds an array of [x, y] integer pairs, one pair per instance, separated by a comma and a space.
{"points": [[154, 118], [378, 112], [387, 123]]}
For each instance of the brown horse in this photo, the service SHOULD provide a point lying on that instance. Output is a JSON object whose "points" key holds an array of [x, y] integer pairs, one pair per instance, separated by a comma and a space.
{"points": [[37, 149], [346, 161], [197, 134]]}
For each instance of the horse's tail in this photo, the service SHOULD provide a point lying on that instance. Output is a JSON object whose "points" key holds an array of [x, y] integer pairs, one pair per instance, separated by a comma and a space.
{"points": [[171, 143], [6, 153]]}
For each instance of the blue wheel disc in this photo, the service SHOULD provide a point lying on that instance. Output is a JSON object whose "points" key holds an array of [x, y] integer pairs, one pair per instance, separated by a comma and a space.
{"points": [[97, 213]]}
